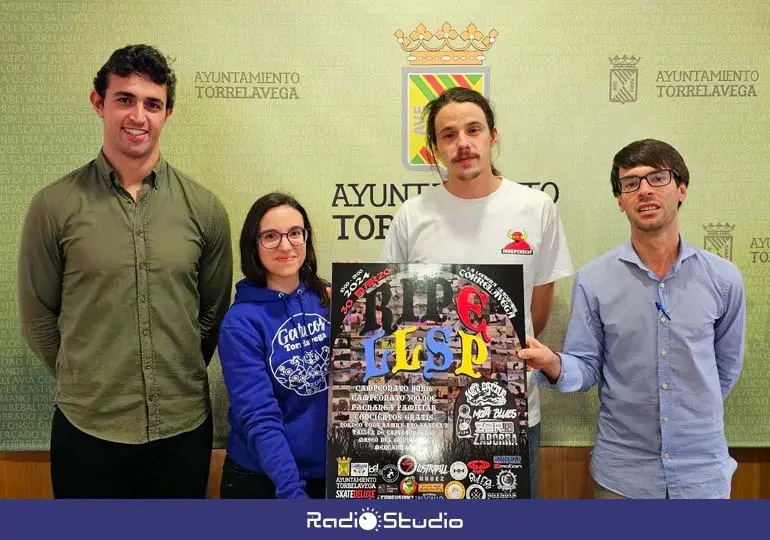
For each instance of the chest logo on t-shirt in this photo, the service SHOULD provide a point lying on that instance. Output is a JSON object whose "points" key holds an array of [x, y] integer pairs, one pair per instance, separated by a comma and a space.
{"points": [[299, 358], [518, 244]]}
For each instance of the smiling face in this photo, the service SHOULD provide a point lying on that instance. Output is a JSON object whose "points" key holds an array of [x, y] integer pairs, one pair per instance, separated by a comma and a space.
{"points": [[134, 111], [651, 209], [283, 262]]}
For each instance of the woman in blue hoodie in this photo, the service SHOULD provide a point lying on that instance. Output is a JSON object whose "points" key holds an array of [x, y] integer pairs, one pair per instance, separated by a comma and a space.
{"points": [[274, 348]]}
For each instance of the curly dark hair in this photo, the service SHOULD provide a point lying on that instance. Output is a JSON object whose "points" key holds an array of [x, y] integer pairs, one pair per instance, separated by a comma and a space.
{"points": [[138, 60]]}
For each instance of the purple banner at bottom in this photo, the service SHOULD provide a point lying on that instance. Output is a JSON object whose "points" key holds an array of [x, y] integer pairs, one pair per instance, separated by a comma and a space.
{"points": [[257, 519]]}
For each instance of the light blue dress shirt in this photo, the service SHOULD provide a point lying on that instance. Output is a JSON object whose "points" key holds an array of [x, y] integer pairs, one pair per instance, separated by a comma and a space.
{"points": [[665, 353]]}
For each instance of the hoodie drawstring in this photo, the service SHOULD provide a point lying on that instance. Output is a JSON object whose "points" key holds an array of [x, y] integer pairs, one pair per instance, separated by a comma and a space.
{"points": [[293, 323]]}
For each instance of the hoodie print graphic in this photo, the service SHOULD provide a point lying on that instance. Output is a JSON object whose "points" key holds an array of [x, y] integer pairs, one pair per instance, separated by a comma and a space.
{"points": [[296, 361]]}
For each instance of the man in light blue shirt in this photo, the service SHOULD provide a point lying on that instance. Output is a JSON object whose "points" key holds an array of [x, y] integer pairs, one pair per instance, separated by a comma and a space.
{"points": [[658, 324]]}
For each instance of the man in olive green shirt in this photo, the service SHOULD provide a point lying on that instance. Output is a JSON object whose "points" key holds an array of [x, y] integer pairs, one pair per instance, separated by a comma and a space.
{"points": [[125, 272]]}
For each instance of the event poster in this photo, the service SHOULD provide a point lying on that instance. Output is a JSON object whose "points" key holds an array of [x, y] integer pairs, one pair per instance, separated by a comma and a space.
{"points": [[428, 396]]}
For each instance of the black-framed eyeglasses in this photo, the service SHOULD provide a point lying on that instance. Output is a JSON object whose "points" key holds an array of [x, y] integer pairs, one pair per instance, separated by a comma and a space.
{"points": [[660, 178], [272, 239]]}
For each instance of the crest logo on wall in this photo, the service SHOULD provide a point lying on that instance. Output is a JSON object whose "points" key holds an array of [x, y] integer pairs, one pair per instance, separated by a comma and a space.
{"points": [[438, 61], [624, 79], [719, 239]]}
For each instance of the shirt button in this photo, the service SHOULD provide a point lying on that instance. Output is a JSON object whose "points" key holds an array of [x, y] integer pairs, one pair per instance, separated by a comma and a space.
{"points": [[662, 319], [145, 332], [663, 353], [139, 232], [142, 265], [147, 365], [143, 298], [665, 419], [662, 285], [664, 386], [666, 455]]}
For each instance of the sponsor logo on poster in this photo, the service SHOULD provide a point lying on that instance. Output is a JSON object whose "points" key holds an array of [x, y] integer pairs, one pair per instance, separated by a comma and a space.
{"points": [[408, 485], [475, 491], [406, 465], [343, 466], [478, 466], [506, 481], [458, 470], [454, 490], [507, 462], [389, 473], [430, 487]]}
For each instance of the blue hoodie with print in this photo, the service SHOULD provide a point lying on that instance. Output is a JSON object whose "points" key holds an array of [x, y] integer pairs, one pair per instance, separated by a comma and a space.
{"points": [[274, 350]]}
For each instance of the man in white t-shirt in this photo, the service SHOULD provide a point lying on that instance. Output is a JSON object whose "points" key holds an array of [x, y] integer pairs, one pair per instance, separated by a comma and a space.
{"points": [[477, 216]]}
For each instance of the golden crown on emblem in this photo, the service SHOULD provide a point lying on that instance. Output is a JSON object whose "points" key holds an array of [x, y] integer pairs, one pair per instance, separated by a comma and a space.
{"points": [[720, 229], [343, 460], [446, 46]]}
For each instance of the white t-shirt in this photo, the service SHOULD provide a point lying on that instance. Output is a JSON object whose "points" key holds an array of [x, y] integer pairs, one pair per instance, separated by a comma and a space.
{"points": [[513, 225]]}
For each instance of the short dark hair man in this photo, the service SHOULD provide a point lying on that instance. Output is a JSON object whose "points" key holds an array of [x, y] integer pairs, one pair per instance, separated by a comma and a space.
{"points": [[125, 272], [659, 325]]}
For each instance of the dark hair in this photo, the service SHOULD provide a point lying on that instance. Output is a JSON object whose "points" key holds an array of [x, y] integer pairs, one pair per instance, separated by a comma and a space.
{"points": [[138, 60], [252, 266], [650, 153], [457, 94]]}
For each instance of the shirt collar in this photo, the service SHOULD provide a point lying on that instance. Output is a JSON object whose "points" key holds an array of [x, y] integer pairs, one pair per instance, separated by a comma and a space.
{"points": [[628, 254], [110, 177]]}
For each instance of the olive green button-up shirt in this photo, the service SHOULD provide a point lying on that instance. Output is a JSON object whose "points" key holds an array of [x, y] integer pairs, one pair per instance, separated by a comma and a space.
{"points": [[122, 299]]}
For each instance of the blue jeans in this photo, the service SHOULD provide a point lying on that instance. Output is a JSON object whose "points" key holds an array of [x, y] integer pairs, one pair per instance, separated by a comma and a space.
{"points": [[533, 434]]}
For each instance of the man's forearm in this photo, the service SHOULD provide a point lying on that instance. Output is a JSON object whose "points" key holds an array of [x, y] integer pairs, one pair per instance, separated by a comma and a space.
{"points": [[208, 346], [42, 336]]}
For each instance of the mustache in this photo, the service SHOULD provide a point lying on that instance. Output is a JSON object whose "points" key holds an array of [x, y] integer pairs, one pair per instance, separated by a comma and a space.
{"points": [[460, 157]]}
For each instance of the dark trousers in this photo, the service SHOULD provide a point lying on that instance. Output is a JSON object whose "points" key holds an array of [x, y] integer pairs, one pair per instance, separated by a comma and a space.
{"points": [[83, 466], [240, 483]]}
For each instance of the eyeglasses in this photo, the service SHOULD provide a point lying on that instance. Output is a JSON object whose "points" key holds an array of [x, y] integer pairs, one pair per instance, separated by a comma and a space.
{"points": [[272, 239], [629, 184]]}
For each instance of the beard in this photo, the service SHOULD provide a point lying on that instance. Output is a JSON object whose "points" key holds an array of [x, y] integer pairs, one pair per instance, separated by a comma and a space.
{"points": [[467, 176], [659, 224]]}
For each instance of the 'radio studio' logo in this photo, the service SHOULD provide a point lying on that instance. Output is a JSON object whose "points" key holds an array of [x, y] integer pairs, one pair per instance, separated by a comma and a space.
{"points": [[624, 79], [370, 519], [438, 61]]}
